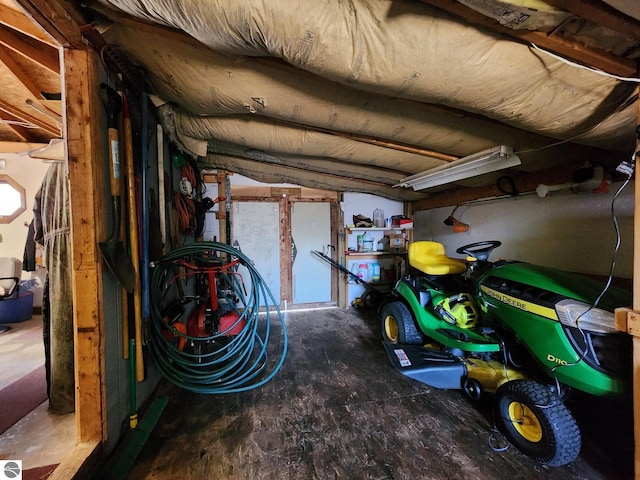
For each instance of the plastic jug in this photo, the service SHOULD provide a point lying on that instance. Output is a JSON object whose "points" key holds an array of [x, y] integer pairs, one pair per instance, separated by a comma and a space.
{"points": [[375, 272], [367, 243], [378, 218], [363, 272]]}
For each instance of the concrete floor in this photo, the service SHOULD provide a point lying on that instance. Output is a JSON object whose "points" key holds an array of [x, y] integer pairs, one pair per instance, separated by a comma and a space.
{"points": [[338, 410], [40, 438]]}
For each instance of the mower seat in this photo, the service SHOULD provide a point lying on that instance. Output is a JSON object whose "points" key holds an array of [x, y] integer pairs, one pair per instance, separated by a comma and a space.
{"points": [[431, 258]]}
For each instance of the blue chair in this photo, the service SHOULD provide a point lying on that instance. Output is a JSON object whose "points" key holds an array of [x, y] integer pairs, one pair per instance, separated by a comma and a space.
{"points": [[10, 273]]}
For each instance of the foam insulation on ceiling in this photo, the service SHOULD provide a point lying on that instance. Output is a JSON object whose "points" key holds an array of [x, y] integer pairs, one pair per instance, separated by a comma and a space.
{"points": [[262, 171], [355, 95], [253, 132], [405, 49], [204, 82]]}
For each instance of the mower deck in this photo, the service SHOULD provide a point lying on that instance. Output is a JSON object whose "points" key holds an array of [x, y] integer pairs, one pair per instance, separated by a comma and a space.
{"points": [[434, 368]]}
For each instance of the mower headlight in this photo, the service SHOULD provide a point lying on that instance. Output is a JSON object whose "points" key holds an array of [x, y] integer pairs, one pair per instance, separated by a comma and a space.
{"points": [[573, 313]]}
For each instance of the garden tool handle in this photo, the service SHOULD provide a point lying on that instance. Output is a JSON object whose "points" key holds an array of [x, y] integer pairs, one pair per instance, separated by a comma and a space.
{"points": [[114, 162], [133, 232]]}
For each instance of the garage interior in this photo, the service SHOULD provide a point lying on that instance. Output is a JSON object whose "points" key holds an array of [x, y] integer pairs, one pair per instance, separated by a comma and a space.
{"points": [[279, 132]]}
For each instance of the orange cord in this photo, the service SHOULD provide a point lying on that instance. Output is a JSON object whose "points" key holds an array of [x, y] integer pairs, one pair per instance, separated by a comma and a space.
{"points": [[186, 212]]}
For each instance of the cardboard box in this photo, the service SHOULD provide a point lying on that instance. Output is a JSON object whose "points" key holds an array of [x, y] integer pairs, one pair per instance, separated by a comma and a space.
{"points": [[396, 241]]}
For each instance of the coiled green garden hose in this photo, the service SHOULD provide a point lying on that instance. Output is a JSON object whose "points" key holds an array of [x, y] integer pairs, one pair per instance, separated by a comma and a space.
{"points": [[219, 363]]}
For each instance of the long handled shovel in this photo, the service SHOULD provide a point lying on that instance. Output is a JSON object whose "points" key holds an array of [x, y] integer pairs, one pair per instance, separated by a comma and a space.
{"points": [[133, 233], [113, 249]]}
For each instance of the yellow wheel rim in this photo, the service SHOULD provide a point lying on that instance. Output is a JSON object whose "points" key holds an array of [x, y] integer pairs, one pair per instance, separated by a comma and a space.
{"points": [[391, 328], [525, 422]]}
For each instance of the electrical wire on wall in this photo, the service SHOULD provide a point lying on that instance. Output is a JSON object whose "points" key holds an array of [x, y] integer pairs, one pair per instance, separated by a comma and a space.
{"points": [[209, 335], [625, 168]]}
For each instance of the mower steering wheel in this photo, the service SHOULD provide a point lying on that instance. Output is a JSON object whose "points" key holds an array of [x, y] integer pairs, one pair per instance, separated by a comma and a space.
{"points": [[479, 250]]}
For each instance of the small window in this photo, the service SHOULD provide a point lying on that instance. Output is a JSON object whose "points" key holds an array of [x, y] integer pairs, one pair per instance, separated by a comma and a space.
{"points": [[12, 199]]}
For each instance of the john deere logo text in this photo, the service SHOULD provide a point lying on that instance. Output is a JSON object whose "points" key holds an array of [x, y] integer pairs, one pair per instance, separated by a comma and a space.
{"points": [[520, 304], [514, 302]]}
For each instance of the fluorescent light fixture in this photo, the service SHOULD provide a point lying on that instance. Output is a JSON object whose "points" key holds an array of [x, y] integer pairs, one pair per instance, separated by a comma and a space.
{"points": [[487, 161]]}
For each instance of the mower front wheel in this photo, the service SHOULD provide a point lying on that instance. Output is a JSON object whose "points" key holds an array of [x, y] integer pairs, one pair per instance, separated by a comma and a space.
{"points": [[537, 422], [398, 325]]}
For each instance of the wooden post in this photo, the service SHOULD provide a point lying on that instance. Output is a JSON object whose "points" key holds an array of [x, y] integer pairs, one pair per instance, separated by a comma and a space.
{"points": [[636, 308], [84, 137], [222, 212]]}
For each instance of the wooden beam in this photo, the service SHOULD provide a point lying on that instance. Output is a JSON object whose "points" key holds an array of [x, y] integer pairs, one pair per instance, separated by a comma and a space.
{"points": [[523, 183], [32, 49], [129, 21], [19, 147], [21, 76], [25, 117], [601, 14], [60, 19], [19, 130], [636, 308], [286, 250], [23, 24], [85, 139], [571, 50]]}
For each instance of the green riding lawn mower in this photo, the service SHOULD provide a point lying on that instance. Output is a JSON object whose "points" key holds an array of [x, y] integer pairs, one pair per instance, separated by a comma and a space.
{"points": [[524, 334]]}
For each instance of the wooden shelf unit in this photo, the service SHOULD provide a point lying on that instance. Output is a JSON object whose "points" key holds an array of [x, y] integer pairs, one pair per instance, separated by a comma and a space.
{"points": [[388, 259]]}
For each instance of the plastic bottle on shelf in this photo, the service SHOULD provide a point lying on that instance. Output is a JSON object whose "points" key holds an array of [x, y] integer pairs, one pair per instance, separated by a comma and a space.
{"points": [[367, 243], [375, 272], [363, 272], [378, 218]]}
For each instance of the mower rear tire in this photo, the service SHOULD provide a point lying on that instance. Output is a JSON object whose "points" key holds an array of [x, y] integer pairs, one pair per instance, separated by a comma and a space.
{"points": [[398, 325], [537, 422]]}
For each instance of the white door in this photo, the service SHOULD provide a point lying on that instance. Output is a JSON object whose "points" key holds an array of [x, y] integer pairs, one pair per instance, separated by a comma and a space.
{"points": [[256, 228], [310, 230]]}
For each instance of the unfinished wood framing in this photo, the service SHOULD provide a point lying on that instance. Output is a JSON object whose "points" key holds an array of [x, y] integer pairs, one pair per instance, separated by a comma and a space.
{"points": [[636, 308], [84, 137], [35, 50], [286, 252], [573, 50]]}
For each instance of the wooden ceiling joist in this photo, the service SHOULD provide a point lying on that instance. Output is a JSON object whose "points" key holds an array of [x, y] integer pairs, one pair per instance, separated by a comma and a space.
{"points": [[571, 50], [524, 183], [19, 73], [600, 13], [60, 19], [27, 118], [19, 22], [21, 132], [35, 50]]}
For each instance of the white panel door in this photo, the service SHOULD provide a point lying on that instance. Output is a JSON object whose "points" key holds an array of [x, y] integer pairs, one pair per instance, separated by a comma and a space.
{"points": [[310, 230], [256, 228]]}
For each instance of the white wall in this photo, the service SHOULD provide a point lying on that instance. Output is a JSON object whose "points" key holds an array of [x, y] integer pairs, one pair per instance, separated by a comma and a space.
{"points": [[365, 204], [212, 225], [28, 173], [570, 231]]}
